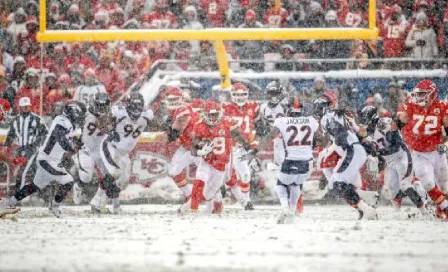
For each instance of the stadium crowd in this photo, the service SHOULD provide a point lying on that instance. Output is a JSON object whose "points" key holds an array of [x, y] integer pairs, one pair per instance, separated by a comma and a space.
{"points": [[413, 28]]}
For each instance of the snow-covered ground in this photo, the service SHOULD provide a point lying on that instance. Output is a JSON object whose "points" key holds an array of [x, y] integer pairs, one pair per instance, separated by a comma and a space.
{"points": [[155, 238]]}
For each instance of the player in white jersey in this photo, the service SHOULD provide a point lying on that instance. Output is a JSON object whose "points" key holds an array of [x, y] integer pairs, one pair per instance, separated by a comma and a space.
{"points": [[271, 110], [398, 173], [346, 177], [86, 93], [130, 122], [59, 141], [97, 124], [297, 135]]}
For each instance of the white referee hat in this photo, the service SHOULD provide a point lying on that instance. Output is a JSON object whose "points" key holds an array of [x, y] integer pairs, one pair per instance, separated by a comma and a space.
{"points": [[24, 101]]}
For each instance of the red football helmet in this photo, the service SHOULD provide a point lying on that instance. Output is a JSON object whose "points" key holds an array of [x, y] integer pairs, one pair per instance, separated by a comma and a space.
{"points": [[197, 105], [424, 93], [295, 106], [5, 111], [239, 94], [173, 97], [212, 113]]}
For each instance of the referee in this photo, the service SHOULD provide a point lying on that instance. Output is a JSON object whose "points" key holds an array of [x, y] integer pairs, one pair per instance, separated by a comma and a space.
{"points": [[27, 131]]}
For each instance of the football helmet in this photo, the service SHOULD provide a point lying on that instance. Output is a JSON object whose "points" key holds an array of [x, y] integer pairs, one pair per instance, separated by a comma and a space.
{"points": [[368, 115], [197, 105], [173, 97], [275, 93], [295, 107], [135, 104], [327, 101], [239, 94], [424, 93], [101, 103], [384, 124], [76, 112], [212, 113], [5, 111]]}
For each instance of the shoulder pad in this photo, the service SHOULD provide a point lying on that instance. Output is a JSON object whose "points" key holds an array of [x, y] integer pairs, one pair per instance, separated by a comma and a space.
{"points": [[149, 114], [119, 111]]}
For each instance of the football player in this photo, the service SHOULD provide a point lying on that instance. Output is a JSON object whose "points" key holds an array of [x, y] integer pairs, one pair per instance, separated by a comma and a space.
{"points": [[426, 119], [244, 112], [212, 143], [98, 123], [345, 177], [130, 122], [60, 140], [297, 134], [183, 117]]}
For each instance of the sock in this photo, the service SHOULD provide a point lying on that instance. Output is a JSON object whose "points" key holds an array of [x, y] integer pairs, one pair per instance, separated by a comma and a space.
{"points": [[187, 189], [415, 197], [236, 191], [282, 193], [438, 197], [294, 195], [197, 194], [115, 202]]}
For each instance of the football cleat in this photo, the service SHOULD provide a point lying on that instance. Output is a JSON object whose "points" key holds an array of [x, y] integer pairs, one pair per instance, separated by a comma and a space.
{"points": [[285, 217], [366, 211], [249, 206]]}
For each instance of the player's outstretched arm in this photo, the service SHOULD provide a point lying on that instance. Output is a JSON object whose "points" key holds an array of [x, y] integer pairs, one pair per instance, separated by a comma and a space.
{"points": [[268, 138], [237, 136]]}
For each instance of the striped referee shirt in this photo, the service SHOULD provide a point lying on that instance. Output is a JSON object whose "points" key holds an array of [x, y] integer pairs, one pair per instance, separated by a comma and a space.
{"points": [[28, 132]]}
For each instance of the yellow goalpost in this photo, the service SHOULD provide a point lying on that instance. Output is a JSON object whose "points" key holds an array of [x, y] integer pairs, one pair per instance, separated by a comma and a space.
{"points": [[217, 35]]}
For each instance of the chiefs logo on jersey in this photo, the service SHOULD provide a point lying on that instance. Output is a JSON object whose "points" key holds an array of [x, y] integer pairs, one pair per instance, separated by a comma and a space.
{"points": [[148, 166]]}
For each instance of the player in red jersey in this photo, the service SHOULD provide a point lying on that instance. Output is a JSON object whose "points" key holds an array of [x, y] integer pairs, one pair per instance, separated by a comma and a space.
{"points": [[183, 119], [394, 32], [212, 143], [161, 17], [426, 117], [244, 112]]}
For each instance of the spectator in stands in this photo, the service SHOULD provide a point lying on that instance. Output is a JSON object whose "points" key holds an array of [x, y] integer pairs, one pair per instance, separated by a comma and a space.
{"points": [[128, 68], [109, 75], [74, 16], [182, 52], [30, 89], [274, 17], [32, 8], [287, 52], [77, 62], [314, 51], [5, 38], [18, 26], [117, 18], [6, 59], [422, 39], [3, 82], [61, 94], [17, 78], [316, 17], [133, 9], [235, 14], [393, 32], [49, 65], [162, 17], [191, 22], [352, 14], [50, 83], [334, 49], [54, 14], [215, 12], [206, 59], [250, 50], [295, 18]]}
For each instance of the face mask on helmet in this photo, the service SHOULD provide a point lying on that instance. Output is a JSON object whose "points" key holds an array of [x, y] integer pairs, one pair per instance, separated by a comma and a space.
{"points": [[384, 124], [367, 115], [240, 97], [212, 118], [101, 106], [135, 108], [421, 97], [75, 112], [173, 102], [320, 107]]}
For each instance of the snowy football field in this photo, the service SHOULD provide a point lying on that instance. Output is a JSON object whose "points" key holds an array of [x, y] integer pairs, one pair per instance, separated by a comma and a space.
{"points": [[155, 238]]}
